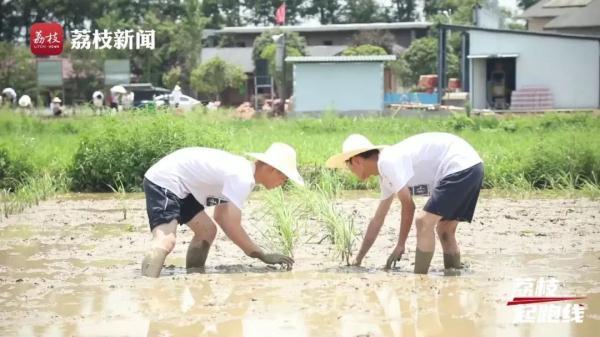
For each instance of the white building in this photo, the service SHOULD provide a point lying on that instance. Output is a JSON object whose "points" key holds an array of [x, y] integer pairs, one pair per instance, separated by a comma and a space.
{"points": [[521, 70]]}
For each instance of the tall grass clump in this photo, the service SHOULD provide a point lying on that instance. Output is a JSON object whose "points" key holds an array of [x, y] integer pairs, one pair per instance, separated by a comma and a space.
{"points": [[121, 194], [124, 149], [286, 222], [15, 168], [320, 201], [31, 192]]}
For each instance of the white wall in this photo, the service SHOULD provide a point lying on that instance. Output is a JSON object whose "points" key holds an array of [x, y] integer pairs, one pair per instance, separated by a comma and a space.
{"points": [[343, 86], [569, 67]]}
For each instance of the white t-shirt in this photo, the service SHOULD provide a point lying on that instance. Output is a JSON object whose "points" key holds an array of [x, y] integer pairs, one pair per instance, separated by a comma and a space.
{"points": [[210, 175], [421, 161]]}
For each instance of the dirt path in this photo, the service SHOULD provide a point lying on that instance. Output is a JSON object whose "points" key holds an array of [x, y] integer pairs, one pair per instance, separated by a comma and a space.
{"points": [[71, 268]]}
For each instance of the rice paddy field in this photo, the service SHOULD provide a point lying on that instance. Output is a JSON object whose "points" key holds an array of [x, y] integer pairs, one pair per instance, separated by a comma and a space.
{"points": [[73, 229]]}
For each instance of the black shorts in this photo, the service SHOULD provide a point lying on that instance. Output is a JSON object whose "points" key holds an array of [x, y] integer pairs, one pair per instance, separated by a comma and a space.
{"points": [[163, 205], [455, 197]]}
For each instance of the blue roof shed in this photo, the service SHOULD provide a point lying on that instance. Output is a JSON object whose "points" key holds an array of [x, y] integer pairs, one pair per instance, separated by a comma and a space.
{"points": [[346, 84]]}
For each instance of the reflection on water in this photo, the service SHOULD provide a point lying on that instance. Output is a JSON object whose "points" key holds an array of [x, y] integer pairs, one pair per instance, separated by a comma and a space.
{"points": [[251, 305], [48, 289]]}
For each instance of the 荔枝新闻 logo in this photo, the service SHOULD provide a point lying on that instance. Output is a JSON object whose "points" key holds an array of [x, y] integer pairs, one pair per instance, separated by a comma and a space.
{"points": [[46, 38]]}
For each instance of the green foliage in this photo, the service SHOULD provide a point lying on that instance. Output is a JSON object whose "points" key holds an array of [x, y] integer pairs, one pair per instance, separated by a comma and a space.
{"points": [[552, 151], [460, 11], [121, 195], [320, 201], [172, 77], [363, 11], [421, 59], [286, 222], [365, 49], [269, 53], [460, 122], [17, 69], [293, 41], [567, 163], [33, 190], [14, 169], [122, 152], [216, 75], [379, 38], [404, 10], [327, 11]]}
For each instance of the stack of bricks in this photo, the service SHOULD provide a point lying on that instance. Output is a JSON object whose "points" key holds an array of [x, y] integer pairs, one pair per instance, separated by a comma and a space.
{"points": [[532, 98]]}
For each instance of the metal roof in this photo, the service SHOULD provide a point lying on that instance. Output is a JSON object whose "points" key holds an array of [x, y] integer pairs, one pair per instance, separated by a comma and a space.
{"points": [[520, 32], [588, 16], [325, 50], [566, 3], [329, 28], [361, 58], [539, 10]]}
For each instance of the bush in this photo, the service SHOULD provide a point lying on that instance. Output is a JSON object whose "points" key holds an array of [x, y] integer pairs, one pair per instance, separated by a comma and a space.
{"points": [[567, 164], [14, 170], [460, 122], [121, 153]]}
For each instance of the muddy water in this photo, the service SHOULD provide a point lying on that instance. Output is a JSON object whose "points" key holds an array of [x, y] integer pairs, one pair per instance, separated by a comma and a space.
{"points": [[69, 271]]}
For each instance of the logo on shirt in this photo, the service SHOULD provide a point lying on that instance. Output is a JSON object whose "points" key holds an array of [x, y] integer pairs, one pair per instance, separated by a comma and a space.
{"points": [[419, 190], [213, 201]]}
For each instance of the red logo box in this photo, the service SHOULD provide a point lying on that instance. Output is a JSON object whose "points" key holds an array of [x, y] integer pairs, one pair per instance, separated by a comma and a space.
{"points": [[46, 38]]}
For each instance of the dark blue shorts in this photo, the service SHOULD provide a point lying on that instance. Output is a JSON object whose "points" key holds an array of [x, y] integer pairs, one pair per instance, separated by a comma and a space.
{"points": [[455, 197], [163, 205]]}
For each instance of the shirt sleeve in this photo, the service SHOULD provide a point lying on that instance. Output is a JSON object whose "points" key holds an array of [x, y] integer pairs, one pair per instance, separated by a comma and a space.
{"points": [[237, 190], [394, 175]]}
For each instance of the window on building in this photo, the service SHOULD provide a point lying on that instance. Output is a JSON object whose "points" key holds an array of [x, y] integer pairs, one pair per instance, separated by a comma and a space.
{"points": [[240, 44], [328, 42]]}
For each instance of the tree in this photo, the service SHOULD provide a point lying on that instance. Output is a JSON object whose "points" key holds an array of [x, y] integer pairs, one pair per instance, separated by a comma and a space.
{"points": [[362, 11], [17, 69], [404, 10], [433, 7], [383, 39], [216, 75], [269, 53], [86, 77], [451, 11], [171, 77], [365, 49], [292, 40], [328, 11], [211, 10], [421, 59]]}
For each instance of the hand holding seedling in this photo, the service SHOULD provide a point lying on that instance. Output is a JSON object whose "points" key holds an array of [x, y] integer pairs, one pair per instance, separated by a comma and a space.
{"points": [[394, 257], [275, 258]]}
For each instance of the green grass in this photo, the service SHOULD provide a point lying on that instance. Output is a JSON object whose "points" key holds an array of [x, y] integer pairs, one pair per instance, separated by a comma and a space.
{"points": [[551, 151], [33, 190], [320, 200], [121, 194], [286, 222]]}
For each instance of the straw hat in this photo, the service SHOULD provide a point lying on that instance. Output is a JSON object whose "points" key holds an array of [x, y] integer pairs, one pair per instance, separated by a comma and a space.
{"points": [[56, 100], [118, 89], [353, 145], [282, 157]]}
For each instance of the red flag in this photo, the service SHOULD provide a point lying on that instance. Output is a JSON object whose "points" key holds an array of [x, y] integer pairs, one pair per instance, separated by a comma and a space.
{"points": [[280, 14]]}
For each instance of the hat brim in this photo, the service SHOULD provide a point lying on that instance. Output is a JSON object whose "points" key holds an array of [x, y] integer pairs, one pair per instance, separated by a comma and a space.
{"points": [[339, 160], [293, 174]]}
